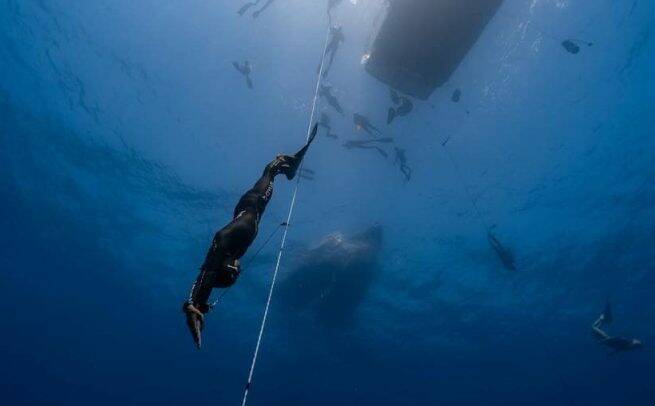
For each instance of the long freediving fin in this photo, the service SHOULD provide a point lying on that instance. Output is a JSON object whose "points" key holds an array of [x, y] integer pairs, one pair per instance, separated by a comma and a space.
{"points": [[312, 135]]}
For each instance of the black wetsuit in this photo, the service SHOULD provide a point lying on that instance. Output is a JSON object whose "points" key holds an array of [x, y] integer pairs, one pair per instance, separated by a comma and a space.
{"points": [[232, 241], [221, 268]]}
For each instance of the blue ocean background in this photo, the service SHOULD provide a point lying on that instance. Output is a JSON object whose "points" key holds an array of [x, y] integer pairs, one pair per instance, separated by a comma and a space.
{"points": [[126, 138]]}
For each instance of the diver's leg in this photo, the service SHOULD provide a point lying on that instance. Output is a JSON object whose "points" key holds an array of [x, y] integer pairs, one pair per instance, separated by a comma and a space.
{"points": [[260, 194], [332, 52], [407, 171], [380, 151], [264, 7]]}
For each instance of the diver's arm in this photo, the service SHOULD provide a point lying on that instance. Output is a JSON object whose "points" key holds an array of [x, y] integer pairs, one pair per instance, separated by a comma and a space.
{"points": [[201, 290]]}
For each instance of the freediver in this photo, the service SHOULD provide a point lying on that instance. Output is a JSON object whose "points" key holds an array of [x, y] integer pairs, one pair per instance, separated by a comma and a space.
{"points": [[504, 254], [245, 70], [405, 106], [221, 267], [325, 123], [326, 92], [264, 7], [363, 123], [617, 344], [336, 38], [366, 144], [401, 159], [246, 6]]}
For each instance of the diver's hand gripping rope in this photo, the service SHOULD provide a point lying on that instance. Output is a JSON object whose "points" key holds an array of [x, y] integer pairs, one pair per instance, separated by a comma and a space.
{"points": [[284, 235]]}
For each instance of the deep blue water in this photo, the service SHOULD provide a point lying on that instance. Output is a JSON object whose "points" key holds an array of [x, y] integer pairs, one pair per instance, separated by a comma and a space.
{"points": [[126, 138]]}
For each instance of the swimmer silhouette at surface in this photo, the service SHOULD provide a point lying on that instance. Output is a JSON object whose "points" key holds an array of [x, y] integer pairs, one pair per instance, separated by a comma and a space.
{"points": [[244, 69], [325, 92], [404, 106], [369, 144], [363, 123], [336, 38], [401, 160]]}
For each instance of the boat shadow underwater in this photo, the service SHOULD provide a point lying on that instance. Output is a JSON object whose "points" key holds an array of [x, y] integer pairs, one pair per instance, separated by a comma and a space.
{"points": [[330, 281]]}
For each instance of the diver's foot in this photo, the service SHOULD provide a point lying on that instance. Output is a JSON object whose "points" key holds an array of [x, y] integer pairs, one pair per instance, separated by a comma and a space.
{"points": [[195, 321], [288, 165]]}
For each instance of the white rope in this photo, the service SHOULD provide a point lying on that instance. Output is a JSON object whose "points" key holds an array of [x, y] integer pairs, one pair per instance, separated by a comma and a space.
{"points": [[284, 235]]}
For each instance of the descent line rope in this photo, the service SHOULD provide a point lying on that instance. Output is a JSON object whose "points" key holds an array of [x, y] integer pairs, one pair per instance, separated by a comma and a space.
{"points": [[250, 261], [284, 234]]}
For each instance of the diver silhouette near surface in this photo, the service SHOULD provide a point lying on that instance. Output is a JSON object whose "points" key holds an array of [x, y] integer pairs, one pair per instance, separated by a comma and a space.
{"points": [[250, 4], [336, 38], [616, 344], [403, 106], [245, 69], [221, 267], [325, 92], [364, 123], [368, 144]]}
